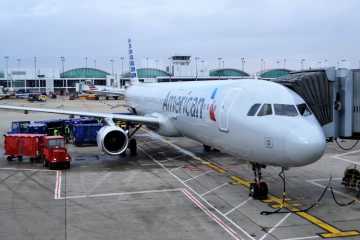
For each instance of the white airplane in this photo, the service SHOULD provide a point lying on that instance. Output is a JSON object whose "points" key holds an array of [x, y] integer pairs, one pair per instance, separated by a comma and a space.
{"points": [[258, 121], [103, 91]]}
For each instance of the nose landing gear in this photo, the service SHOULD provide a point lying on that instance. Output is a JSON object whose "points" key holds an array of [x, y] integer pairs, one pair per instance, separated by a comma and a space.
{"points": [[258, 189]]}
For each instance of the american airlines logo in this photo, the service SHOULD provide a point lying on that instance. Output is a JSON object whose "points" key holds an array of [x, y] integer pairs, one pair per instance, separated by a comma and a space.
{"points": [[212, 108], [188, 106]]}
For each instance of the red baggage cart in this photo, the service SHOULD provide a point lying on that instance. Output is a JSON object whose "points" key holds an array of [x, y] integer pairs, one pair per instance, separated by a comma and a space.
{"points": [[23, 145]]}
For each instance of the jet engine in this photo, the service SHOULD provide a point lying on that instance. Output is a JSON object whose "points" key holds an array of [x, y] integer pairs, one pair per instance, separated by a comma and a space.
{"points": [[112, 140]]}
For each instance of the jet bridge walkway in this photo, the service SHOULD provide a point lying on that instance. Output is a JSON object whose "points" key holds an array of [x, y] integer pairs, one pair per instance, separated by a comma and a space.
{"points": [[334, 97]]}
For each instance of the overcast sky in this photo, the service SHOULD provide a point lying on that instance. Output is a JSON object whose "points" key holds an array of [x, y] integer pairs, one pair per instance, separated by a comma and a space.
{"points": [[254, 29]]}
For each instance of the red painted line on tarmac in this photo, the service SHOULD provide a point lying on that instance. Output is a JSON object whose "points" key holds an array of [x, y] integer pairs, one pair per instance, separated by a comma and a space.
{"points": [[228, 229]]}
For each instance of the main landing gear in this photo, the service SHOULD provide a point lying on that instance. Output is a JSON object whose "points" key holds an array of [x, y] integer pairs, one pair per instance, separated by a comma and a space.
{"points": [[133, 147], [258, 189], [132, 142]]}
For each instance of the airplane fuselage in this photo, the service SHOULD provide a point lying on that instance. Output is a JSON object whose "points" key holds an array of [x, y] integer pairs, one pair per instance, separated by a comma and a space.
{"points": [[215, 113]]}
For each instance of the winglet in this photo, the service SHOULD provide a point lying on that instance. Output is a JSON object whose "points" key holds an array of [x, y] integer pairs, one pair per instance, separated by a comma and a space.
{"points": [[133, 73]]}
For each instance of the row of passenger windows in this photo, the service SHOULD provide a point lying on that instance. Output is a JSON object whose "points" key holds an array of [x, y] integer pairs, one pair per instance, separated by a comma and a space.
{"points": [[279, 109]]}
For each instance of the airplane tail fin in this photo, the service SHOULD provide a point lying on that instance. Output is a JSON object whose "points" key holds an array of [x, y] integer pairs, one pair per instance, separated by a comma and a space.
{"points": [[133, 73]]}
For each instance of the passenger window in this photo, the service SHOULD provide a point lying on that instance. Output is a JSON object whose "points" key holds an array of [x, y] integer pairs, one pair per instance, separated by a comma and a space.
{"points": [[253, 109], [304, 109], [285, 110], [265, 110]]}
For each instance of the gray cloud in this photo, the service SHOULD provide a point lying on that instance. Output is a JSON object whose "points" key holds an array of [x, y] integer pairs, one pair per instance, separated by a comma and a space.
{"points": [[269, 29]]}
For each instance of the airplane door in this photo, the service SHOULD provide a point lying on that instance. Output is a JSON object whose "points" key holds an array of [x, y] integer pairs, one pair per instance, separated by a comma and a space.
{"points": [[225, 107]]}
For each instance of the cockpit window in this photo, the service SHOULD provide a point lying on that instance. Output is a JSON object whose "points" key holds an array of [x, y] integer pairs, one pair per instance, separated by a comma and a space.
{"points": [[285, 110], [265, 110], [253, 109], [304, 109]]}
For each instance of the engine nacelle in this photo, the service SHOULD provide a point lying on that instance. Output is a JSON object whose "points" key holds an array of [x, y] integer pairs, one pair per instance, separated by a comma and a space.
{"points": [[112, 140]]}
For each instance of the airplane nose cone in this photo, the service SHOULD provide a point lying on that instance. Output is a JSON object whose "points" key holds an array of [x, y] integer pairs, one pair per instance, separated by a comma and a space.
{"points": [[305, 147]]}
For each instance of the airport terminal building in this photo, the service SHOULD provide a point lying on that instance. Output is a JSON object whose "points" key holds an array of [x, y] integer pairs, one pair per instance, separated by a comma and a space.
{"points": [[66, 81]]}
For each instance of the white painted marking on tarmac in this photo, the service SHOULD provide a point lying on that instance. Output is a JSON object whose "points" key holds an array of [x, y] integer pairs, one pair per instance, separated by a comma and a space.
{"points": [[322, 179], [347, 153], [211, 215], [197, 176], [122, 193], [214, 189], [147, 164], [198, 195], [301, 238], [341, 157], [57, 191], [238, 206], [99, 182], [174, 169], [275, 226], [335, 191], [180, 149], [56, 185]]}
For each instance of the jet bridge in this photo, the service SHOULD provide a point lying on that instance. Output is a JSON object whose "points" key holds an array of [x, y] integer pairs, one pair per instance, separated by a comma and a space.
{"points": [[334, 97]]}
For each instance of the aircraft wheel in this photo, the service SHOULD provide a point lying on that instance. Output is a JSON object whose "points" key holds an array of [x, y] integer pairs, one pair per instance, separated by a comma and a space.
{"points": [[45, 164], [259, 191], [207, 148], [133, 147], [9, 158], [20, 158], [67, 165]]}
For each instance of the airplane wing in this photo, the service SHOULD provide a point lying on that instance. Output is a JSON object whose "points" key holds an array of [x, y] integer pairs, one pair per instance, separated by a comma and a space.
{"points": [[124, 117]]}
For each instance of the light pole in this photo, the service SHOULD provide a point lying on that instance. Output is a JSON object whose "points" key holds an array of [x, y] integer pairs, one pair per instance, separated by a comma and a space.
{"points": [[112, 67], [203, 67], [147, 67], [62, 58], [284, 62], [122, 65], [302, 61], [35, 62], [35, 75], [262, 67], [94, 63], [243, 64], [7, 70], [278, 63], [18, 60], [196, 67], [325, 63]]}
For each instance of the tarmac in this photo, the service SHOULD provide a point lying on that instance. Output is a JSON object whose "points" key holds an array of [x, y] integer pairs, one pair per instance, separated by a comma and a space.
{"points": [[171, 190]]}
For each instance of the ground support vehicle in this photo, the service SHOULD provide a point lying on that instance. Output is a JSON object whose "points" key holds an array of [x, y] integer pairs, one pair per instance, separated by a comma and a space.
{"points": [[38, 147], [84, 134], [27, 127], [37, 98], [351, 179], [54, 153]]}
